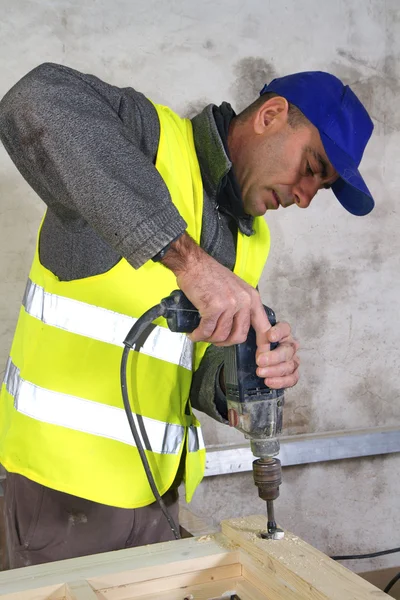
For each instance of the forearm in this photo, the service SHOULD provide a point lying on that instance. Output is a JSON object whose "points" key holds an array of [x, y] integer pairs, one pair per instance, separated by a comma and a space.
{"points": [[183, 255]]}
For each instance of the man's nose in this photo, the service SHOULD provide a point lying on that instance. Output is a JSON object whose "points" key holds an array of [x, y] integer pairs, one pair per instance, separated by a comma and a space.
{"points": [[304, 192]]}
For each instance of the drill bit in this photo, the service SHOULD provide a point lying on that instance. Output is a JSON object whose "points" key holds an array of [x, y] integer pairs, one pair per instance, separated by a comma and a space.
{"points": [[273, 532], [271, 525]]}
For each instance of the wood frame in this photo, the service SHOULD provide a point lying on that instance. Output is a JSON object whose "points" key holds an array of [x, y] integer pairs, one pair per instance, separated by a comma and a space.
{"points": [[236, 561]]}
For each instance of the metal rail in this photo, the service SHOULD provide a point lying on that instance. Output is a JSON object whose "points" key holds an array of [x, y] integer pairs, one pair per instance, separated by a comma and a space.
{"points": [[304, 449], [308, 448]]}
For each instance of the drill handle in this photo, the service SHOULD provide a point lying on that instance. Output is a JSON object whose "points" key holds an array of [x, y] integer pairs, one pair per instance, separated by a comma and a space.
{"points": [[181, 315]]}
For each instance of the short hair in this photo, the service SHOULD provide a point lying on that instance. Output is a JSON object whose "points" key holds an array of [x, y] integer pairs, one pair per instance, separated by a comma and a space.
{"points": [[295, 117]]}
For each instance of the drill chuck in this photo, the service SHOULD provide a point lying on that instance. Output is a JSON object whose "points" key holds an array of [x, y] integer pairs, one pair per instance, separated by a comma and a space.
{"points": [[267, 475]]}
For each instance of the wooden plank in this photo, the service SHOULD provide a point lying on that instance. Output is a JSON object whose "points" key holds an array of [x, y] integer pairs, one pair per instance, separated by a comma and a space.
{"points": [[211, 566], [247, 591], [278, 588], [80, 590], [203, 591], [302, 572], [53, 592], [126, 567], [190, 564], [212, 591], [153, 587]]}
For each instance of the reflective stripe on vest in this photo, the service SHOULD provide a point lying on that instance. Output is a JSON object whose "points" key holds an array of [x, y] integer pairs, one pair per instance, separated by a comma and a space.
{"points": [[94, 418], [104, 325]]}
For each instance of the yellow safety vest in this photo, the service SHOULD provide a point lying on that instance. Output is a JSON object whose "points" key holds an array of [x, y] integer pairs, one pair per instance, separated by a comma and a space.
{"points": [[62, 422]]}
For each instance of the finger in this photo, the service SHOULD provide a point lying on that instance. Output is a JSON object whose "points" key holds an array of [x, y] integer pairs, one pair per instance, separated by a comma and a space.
{"points": [[222, 330], [259, 321], [278, 383], [291, 340], [279, 332], [283, 353], [206, 328], [240, 329], [264, 356], [281, 370]]}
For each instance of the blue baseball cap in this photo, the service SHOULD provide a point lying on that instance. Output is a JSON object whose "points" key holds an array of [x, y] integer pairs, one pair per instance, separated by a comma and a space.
{"points": [[343, 124]]}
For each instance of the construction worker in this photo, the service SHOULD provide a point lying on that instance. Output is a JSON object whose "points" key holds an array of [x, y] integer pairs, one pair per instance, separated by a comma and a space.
{"points": [[140, 201]]}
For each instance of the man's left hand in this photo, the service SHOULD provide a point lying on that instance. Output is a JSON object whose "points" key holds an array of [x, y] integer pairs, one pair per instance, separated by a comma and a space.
{"points": [[279, 367]]}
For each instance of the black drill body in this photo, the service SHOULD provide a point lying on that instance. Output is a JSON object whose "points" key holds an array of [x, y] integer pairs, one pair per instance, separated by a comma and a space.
{"points": [[252, 407]]}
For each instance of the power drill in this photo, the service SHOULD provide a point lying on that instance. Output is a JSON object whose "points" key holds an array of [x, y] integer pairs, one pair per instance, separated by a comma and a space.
{"points": [[253, 408]]}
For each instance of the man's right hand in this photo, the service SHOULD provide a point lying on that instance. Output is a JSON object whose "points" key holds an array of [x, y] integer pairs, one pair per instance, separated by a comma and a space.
{"points": [[227, 304]]}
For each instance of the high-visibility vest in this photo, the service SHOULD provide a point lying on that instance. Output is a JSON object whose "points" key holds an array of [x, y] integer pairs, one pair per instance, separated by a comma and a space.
{"points": [[62, 421]]}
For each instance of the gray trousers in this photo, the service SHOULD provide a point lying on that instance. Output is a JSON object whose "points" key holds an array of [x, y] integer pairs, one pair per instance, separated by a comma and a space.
{"points": [[43, 525]]}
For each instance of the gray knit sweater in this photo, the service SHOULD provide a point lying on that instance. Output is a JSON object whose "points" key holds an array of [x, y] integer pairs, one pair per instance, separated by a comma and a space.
{"points": [[88, 150]]}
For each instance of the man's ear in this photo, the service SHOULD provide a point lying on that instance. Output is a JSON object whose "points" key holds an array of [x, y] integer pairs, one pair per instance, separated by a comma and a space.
{"points": [[273, 113]]}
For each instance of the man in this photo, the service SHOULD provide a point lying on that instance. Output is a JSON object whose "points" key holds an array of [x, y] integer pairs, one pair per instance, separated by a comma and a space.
{"points": [[138, 202]]}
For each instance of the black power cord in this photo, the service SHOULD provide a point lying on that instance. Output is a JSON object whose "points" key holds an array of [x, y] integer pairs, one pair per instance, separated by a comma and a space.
{"points": [[373, 555], [370, 555], [391, 583], [130, 342]]}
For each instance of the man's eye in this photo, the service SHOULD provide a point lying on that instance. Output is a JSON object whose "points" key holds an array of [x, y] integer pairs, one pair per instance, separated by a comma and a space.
{"points": [[309, 170]]}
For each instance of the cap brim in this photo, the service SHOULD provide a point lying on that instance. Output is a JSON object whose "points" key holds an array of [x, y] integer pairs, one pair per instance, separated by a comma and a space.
{"points": [[350, 189]]}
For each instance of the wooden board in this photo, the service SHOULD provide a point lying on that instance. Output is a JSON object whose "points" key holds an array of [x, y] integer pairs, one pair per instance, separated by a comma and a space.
{"points": [[236, 561], [293, 569]]}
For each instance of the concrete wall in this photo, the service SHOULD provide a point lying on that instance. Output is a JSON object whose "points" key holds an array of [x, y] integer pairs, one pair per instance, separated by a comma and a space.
{"points": [[333, 276]]}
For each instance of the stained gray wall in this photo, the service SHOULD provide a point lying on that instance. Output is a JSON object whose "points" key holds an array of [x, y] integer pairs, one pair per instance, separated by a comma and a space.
{"points": [[333, 276]]}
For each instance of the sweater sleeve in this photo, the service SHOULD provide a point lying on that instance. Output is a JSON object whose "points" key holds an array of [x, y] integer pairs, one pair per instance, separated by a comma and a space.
{"points": [[206, 394], [88, 148]]}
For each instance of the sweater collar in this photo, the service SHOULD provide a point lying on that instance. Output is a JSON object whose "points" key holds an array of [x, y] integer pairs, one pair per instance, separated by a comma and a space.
{"points": [[210, 129]]}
